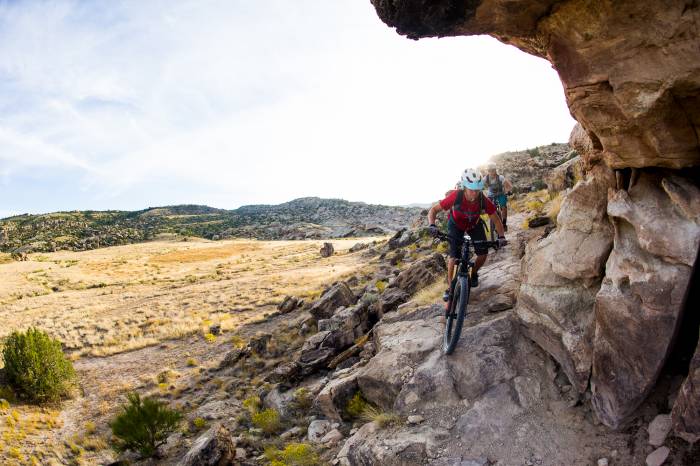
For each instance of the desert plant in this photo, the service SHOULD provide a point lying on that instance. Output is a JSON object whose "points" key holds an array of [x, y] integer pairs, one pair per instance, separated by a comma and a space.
{"points": [[267, 420], [294, 454], [252, 404], [381, 418], [143, 425], [356, 406], [380, 285], [199, 423], [303, 399], [35, 366]]}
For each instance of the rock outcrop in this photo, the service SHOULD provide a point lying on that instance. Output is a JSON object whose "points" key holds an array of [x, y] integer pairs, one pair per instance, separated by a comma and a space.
{"points": [[630, 69], [631, 75], [640, 304], [561, 276]]}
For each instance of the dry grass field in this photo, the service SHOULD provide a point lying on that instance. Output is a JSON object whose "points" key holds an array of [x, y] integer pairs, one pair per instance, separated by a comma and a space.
{"points": [[126, 313], [110, 300]]}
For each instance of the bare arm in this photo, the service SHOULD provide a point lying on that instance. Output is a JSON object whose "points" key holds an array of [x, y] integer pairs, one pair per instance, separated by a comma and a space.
{"points": [[507, 185], [499, 225], [433, 213]]}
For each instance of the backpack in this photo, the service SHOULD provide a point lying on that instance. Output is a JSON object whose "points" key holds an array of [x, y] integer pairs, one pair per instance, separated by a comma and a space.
{"points": [[458, 203], [499, 184]]}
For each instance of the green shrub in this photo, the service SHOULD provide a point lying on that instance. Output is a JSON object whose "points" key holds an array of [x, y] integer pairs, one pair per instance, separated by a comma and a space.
{"points": [[35, 366], [143, 425], [268, 420], [381, 418], [199, 423], [303, 399], [294, 454], [252, 404], [356, 406]]}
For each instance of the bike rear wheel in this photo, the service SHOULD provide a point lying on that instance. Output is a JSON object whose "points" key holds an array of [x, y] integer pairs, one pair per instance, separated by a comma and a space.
{"points": [[455, 315]]}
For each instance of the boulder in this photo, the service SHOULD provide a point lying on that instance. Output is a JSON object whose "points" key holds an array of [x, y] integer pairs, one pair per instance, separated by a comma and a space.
{"points": [[318, 429], [639, 305], [391, 299], [420, 274], [327, 250], [561, 275], [333, 398], [288, 304], [332, 437], [686, 409], [215, 447], [359, 247], [286, 373], [499, 303], [658, 456], [258, 344], [564, 176], [582, 143], [658, 429], [280, 401], [338, 295], [405, 447], [400, 346], [232, 357]]}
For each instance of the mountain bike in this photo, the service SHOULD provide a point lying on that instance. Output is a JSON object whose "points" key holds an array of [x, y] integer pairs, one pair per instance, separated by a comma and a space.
{"points": [[493, 234], [456, 308]]}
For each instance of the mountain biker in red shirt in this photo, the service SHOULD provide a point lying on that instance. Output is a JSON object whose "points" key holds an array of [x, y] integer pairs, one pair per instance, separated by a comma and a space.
{"points": [[465, 208]]}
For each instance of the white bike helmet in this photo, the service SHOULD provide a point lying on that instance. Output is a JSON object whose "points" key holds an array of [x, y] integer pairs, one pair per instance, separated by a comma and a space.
{"points": [[471, 179]]}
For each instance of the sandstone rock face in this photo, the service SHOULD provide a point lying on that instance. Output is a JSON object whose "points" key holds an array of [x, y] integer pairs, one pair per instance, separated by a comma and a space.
{"points": [[629, 69], [338, 295], [372, 445], [212, 448], [581, 143], [640, 303], [420, 274], [563, 176], [561, 276], [686, 409]]}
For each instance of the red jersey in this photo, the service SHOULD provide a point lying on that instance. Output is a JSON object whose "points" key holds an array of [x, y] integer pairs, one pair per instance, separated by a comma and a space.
{"points": [[466, 215]]}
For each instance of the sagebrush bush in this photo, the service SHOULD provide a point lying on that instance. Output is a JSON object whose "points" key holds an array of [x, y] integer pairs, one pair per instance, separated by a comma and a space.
{"points": [[356, 406], [267, 420], [35, 366], [303, 399], [294, 454], [252, 404], [143, 425], [381, 418]]}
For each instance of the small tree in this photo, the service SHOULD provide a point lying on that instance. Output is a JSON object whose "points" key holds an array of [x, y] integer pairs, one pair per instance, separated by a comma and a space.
{"points": [[143, 425], [35, 366]]}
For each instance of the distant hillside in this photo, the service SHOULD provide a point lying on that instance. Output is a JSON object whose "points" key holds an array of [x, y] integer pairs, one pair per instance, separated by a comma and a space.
{"points": [[529, 169], [299, 219]]}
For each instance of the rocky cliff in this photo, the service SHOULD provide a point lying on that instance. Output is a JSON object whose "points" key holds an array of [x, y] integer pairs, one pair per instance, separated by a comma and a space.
{"points": [[605, 294]]}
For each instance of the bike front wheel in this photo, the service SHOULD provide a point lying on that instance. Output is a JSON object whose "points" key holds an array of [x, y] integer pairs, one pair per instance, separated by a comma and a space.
{"points": [[455, 315]]}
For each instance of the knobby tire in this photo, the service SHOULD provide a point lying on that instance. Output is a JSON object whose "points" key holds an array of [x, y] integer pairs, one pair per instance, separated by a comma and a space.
{"points": [[455, 316]]}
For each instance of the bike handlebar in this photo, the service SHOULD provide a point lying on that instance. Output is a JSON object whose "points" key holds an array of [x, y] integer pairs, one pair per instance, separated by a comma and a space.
{"points": [[488, 244]]}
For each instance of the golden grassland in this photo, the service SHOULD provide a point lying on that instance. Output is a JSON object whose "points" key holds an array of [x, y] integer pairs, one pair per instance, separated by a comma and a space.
{"points": [[105, 302], [115, 299]]}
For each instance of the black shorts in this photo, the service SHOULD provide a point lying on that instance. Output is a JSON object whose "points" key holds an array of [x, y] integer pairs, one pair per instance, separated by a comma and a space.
{"points": [[457, 239]]}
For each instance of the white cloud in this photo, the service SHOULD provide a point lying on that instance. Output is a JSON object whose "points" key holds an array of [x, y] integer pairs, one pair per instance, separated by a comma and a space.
{"points": [[248, 101]]}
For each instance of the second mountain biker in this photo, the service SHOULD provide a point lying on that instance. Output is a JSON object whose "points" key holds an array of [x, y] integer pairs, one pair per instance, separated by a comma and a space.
{"points": [[465, 207]]}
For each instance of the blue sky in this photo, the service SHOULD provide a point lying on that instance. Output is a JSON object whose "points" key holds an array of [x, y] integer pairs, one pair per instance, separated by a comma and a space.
{"points": [[130, 104]]}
